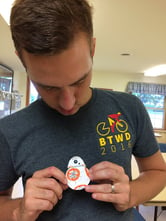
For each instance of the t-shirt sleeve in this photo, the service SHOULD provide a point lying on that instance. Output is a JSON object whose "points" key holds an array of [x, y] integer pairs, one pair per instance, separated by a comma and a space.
{"points": [[146, 144], [8, 175]]}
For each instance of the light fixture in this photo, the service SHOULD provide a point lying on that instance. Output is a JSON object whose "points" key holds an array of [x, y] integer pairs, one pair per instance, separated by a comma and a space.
{"points": [[125, 54], [156, 71], [5, 8]]}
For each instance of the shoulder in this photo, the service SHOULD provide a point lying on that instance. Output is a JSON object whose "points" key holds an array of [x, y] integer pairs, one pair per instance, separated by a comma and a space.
{"points": [[118, 97], [21, 117], [129, 105]]}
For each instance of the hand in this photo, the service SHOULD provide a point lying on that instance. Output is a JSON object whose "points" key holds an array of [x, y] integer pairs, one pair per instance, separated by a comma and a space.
{"points": [[42, 192], [107, 174]]}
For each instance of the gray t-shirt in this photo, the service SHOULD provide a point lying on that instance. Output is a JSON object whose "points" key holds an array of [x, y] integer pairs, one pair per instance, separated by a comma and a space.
{"points": [[111, 126]]}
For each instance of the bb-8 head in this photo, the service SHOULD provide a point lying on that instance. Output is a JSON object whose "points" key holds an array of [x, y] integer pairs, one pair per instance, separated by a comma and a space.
{"points": [[76, 162]]}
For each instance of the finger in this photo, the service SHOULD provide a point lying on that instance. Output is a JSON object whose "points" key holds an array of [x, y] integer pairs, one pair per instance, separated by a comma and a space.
{"points": [[105, 192], [44, 194], [118, 199], [51, 172], [108, 188], [37, 204], [102, 188], [107, 171], [103, 165], [64, 186], [107, 195], [106, 174], [42, 185]]}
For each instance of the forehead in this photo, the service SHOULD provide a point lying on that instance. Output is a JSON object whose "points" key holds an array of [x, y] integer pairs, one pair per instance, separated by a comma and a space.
{"points": [[59, 69]]}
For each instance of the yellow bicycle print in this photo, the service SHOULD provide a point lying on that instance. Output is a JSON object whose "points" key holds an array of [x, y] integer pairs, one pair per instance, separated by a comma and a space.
{"points": [[114, 122]]}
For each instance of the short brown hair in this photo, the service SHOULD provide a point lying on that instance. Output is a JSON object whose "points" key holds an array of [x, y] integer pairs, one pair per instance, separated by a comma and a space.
{"points": [[49, 26]]}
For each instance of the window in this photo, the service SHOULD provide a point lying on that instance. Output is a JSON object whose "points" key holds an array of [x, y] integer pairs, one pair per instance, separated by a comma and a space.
{"points": [[154, 104], [33, 93], [6, 87], [153, 97]]}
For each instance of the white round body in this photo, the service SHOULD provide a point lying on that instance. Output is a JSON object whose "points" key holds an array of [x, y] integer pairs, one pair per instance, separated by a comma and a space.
{"points": [[77, 174]]}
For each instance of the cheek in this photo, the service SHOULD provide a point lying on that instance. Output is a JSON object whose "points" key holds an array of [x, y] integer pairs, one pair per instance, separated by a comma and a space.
{"points": [[82, 92], [50, 100], [48, 97]]}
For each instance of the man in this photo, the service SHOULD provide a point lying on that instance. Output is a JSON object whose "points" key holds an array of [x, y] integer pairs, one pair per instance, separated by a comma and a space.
{"points": [[54, 40]]}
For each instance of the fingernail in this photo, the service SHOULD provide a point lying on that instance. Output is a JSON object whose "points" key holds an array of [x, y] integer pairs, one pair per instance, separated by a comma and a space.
{"points": [[90, 170], [87, 187], [94, 196], [91, 175]]}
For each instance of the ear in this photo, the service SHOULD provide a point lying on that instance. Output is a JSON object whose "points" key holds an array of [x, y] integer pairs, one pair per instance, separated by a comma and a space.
{"points": [[16, 52], [93, 46], [20, 57]]}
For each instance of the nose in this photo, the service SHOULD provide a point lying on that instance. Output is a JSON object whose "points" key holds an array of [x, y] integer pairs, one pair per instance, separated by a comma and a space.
{"points": [[67, 98]]}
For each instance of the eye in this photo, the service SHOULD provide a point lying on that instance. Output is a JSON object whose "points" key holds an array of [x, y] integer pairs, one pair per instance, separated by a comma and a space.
{"points": [[79, 83], [75, 161], [49, 88]]}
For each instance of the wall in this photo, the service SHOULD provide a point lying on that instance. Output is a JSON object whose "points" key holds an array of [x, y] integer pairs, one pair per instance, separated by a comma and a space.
{"points": [[118, 81], [101, 79]]}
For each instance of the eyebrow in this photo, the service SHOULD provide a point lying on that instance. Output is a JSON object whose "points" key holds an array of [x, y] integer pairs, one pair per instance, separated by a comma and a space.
{"points": [[50, 86], [81, 79]]}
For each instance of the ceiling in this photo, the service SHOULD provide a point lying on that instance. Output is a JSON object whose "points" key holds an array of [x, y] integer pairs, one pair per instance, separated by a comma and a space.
{"points": [[137, 27]]}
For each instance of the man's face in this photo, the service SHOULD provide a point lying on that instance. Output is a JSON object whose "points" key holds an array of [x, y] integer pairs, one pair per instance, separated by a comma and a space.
{"points": [[63, 80]]}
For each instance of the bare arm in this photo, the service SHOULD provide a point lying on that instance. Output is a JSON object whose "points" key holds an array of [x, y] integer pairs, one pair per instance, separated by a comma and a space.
{"points": [[7, 205], [151, 181]]}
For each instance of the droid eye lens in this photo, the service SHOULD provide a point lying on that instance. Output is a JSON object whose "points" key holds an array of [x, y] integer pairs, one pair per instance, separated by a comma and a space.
{"points": [[75, 161]]}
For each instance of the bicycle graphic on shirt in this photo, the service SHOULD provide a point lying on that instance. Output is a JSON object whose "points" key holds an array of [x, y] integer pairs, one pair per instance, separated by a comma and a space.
{"points": [[114, 123]]}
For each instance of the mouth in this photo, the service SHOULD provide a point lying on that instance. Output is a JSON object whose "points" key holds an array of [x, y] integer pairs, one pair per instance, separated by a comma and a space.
{"points": [[67, 112]]}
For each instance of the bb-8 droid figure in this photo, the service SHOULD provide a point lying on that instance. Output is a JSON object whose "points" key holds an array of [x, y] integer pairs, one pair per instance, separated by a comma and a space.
{"points": [[77, 174]]}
